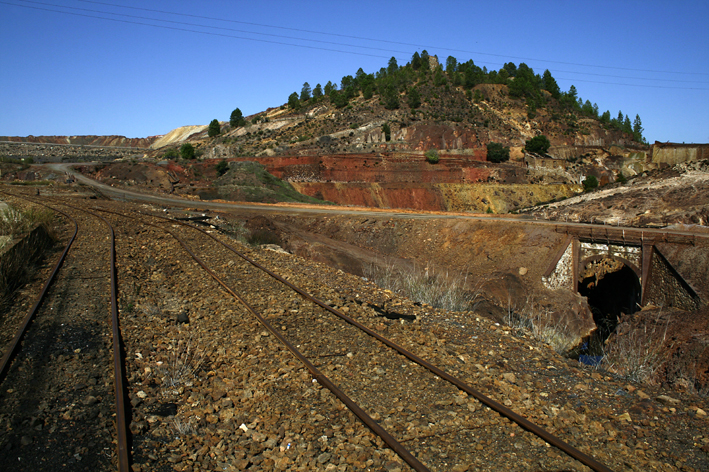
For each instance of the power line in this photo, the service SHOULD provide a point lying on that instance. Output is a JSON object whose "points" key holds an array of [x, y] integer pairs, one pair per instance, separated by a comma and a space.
{"points": [[632, 85], [391, 42], [192, 31], [213, 27], [299, 39]]}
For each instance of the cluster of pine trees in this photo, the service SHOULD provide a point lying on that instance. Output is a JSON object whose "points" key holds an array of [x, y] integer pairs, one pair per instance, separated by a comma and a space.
{"points": [[389, 83]]}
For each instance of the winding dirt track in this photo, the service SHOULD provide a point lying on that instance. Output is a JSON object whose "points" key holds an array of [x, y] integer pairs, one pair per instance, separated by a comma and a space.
{"points": [[128, 195]]}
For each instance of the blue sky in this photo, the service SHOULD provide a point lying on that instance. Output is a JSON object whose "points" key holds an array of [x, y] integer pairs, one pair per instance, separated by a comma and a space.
{"points": [[66, 72]]}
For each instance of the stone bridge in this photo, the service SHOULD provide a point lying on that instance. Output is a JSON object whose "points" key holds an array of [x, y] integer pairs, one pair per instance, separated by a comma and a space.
{"points": [[620, 270]]}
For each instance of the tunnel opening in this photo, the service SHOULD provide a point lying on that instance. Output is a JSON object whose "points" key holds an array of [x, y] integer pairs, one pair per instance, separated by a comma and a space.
{"points": [[613, 289]]}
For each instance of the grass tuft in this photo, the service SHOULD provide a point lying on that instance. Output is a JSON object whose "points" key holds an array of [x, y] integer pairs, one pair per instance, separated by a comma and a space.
{"points": [[183, 362], [638, 354], [541, 326], [437, 289]]}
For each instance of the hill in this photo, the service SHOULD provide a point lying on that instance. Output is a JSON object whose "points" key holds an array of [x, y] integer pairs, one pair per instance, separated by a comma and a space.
{"points": [[414, 108]]}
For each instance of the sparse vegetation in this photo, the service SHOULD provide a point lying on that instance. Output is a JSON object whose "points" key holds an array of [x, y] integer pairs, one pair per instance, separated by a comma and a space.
{"points": [[540, 325], [496, 152], [187, 151], [432, 156], [182, 362], [437, 289], [637, 354]]}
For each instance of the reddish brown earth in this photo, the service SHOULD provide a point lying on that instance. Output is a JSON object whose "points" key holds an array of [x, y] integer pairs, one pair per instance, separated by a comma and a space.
{"points": [[381, 168]]}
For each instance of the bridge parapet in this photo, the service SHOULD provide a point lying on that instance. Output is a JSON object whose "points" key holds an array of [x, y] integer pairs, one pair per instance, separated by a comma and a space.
{"points": [[630, 253]]}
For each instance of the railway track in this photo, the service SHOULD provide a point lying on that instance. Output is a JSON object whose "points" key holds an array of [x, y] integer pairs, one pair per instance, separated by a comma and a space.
{"points": [[299, 316], [213, 388], [59, 398]]}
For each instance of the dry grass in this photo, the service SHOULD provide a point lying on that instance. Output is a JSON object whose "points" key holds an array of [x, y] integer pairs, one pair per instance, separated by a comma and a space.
{"points": [[540, 325], [182, 427], [182, 363], [17, 264], [638, 353], [15, 221], [437, 289]]}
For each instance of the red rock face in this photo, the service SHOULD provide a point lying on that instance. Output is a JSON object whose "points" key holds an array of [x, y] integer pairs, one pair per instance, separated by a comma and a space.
{"points": [[399, 168], [394, 195], [387, 181], [430, 136]]}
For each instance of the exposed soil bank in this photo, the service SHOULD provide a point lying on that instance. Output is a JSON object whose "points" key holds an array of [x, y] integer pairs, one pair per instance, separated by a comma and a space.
{"points": [[501, 265]]}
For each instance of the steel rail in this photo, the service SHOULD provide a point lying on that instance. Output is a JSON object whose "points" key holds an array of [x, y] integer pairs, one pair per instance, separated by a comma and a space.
{"points": [[17, 340], [498, 407], [322, 379], [121, 421]]}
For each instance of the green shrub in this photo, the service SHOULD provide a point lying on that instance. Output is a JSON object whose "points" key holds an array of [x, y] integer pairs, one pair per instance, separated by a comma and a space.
{"points": [[496, 152], [222, 167], [171, 154], [538, 144], [621, 178], [432, 156], [187, 151], [590, 183]]}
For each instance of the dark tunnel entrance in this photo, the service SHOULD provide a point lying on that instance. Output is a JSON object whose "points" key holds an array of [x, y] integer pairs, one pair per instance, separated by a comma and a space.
{"points": [[612, 289]]}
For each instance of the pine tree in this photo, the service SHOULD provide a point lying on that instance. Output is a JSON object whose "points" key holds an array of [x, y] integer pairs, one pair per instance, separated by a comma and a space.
{"points": [[416, 61], [638, 130], [305, 92], [317, 92], [236, 119], [549, 84], [214, 128], [293, 101]]}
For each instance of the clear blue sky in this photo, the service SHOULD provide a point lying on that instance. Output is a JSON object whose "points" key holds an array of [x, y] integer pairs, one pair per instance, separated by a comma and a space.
{"points": [[76, 74]]}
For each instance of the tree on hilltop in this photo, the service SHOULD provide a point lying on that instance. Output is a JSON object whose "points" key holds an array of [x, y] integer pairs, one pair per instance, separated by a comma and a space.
{"points": [[550, 85], [236, 119], [638, 130], [393, 66], [317, 92], [293, 101], [416, 61], [214, 128], [305, 92]]}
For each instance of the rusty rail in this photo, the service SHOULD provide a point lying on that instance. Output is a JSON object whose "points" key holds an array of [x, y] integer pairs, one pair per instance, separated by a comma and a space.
{"points": [[121, 423], [118, 372], [498, 407], [15, 344], [322, 379]]}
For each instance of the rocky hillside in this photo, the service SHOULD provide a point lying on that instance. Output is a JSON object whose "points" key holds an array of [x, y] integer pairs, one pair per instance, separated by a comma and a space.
{"points": [[365, 142], [414, 109], [103, 141]]}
